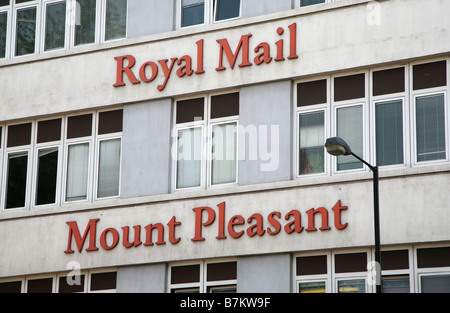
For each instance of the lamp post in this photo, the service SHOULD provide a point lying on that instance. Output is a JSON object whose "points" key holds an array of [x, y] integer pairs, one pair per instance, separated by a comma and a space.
{"points": [[337, 146]]}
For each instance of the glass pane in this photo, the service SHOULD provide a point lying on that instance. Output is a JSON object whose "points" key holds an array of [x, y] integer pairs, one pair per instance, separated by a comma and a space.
{"points": [[109, 168], [103, 281], [44, 285], [85, 21], [389, 133], [435, 284], [396, 285], [3, 27], [192, 12], [46, 176], [315, 287], [189, 157], [312, 141], [26, 31], [430, 128], [350, 128], [77, 172], [55, 26], [227, 9], [352, 286], [304, 3], [116, 19], [4, 2], [16, 183], [224, 153]]}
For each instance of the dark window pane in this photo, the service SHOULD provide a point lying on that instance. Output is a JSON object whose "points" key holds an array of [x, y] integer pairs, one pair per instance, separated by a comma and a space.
{"points": [[17, 180], [19, 135], [23, 1], [116, 19], [311, 143], [193, 12], [44, 285], [26, 31], [3, 28], [79, 126], [395, 260], [349, 87], [4, 2], [49, 131], [47, 176], [110, 122], [312, 265], [310, 93], [389, 81], [71, 284], [55, 26], [395, 284], [227, 9], [430, 128], [11, 287], [433, 257], [185, 274], [430, 75], [85, 22], [1, 129], [305, 3], [389, 132], [225, 105], [221, 271], [190, 110], [103, 281], [352, 262]]}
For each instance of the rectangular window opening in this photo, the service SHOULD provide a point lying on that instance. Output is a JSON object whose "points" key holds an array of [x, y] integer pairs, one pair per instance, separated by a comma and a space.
{"points": [[77, 172], [16, 183], [55, 26], [311, 143], [26, 31], [116, 19], [47, 173], [109, 168]]}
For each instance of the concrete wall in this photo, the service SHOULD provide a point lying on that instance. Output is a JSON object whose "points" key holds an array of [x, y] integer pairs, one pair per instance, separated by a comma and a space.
{"points": [[146, 148], [148, 17], [260, 7], [264, 274], [265, 109], [142, 279]]}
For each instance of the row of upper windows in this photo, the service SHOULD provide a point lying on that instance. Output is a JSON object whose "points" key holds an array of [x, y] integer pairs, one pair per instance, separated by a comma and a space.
{"points": [[38, 26], [395, 117], [61, 160]]}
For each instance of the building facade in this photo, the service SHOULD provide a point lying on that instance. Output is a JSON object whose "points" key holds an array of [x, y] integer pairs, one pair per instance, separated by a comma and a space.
{"points": [[178, 146]]}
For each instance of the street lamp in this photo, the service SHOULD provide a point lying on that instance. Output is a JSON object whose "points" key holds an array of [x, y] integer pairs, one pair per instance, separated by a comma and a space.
{"points": [[337, 146]]}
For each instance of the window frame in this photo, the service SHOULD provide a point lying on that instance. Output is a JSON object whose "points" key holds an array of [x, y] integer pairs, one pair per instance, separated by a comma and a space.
{"points": [[325, 107], [364, 103], [203, 285], [45, 3], [210, 12], [206, 125], [374, 100], [21, 6], [414, 94], [8, 10], [99, 140], [429, 92], [15, 150]]}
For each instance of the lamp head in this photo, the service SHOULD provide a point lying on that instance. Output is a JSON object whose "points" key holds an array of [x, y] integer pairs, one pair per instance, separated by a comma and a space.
{"points": [[337, 146]]}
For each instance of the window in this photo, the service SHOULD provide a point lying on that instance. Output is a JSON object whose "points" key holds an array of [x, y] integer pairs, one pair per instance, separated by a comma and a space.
{"points": [[312, 102], [3, 32], [434, 269], [203, 277], [55, 25], [304, 3], [17, 165], [196, 130], [26, 30], [48, 147], [35, 26], [199, 12], [430, 97], [115, 19], [349, 101], [331, 272]]}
